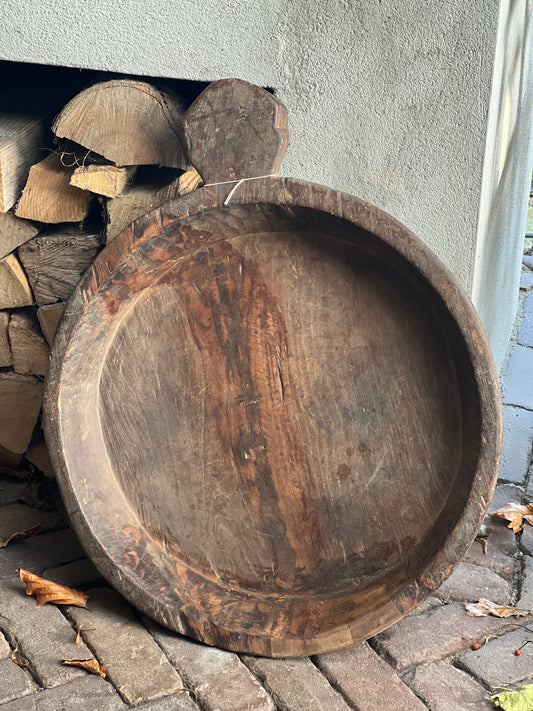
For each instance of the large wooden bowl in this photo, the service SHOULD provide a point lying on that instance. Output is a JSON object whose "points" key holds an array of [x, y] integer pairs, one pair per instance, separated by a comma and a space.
{"points": [[276, 423]]}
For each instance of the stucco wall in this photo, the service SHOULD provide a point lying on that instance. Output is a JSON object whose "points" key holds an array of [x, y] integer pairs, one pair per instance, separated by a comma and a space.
{"points": [[387, 100]]}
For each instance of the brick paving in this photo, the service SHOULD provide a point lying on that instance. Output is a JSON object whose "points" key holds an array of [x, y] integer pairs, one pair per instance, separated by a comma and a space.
{"points": [[425, 661]]}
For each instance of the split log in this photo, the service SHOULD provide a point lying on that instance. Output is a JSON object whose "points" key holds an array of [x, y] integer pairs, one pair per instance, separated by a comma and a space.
{"points": [[54, 262], [29, 349], [21, 397], [13, 232], [49, 317], [48, 195], [40, 458], [22, 138], [128, 122], [105, 180], [137, 200], [236, 130], [15, 290], [6, 358]]}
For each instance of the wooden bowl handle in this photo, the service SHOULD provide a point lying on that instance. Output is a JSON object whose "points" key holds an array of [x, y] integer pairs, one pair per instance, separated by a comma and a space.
{"points": [[236, 130]]}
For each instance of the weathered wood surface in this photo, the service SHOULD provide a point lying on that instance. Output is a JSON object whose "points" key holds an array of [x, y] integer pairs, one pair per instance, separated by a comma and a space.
{"points": [[29, 350], [21, 397], [13, 232], [15, 290], [105, 180], [236, 130], [6, 359], [128, 122], [49, 316], [48, 195], [22, 138], [143, 197], [55, 261], [320, 423]]}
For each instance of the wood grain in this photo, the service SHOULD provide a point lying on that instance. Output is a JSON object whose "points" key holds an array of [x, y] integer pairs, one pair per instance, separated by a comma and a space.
{"points": [[22, 138], [54, 261], [105, 180], [13, 232], [48, 195], [235, 130], [320, 423], [49, 316], [21, 397], [128, 122], [30, 351], [15, 290], [6, 359]]}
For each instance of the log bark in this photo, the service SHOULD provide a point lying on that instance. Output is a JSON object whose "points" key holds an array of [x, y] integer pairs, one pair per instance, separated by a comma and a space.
{"points": [[21, 397], [13, 232], [49, 317], [15, 289], [128, 122], [30, 351], [55, 262], [48, 195], [6, 359], [105, 180], [22, 138]]}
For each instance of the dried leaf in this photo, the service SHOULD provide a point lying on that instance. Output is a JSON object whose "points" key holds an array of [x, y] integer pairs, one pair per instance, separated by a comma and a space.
{"points": [[519, 700], [22, 535], [19, 660], [515, 514], [79, 629], [47, 591], [91, 665], [483, 541], [486, 607], [17, 473]]}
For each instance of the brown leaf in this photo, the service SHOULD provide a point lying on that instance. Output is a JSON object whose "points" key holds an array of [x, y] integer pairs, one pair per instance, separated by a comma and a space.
{"points": [[486, 607], [516, 514], [17, 473], [80, 629], [19, 661], [22, 535], [47, 591], [91, 665]]}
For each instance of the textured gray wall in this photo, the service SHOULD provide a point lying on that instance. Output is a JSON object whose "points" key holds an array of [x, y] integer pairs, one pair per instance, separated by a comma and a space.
{"points": [[387, 100]]}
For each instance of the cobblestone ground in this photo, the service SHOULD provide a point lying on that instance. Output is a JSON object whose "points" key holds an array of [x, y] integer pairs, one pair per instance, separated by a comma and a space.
{"points": [[425, 661]]}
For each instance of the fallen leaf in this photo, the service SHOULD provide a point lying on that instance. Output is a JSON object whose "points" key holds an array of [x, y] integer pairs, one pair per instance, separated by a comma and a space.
{"points": [[519, 700], [22, 663], [91, 665], [486, 607], [483, 541], [47, 591], [17, 473], [515, 514], [22, 535], [79, 630]]}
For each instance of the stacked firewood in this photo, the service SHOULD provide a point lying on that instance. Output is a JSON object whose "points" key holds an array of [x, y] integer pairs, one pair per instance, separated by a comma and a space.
{"points": [[118, 152]]}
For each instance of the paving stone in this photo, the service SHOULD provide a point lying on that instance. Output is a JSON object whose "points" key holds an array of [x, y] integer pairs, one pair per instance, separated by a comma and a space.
{"points": [[526, 593], [89, 693], [42, 634], [496, 664], [176, 702], [518, 385], [526, 280], [295, 684], [445, 688], [517, 443], [79, 574], [134, 663], [525, 334], [5, 649], [526, 539], [438, 634], [471, 582], [219, 679], [501, 548], [15, 682], [367, 681], [39, 553], [17, 518]]}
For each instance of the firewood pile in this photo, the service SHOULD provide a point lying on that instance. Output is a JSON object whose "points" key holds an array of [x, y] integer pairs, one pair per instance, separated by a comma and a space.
{"points": [[117, 153]]}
